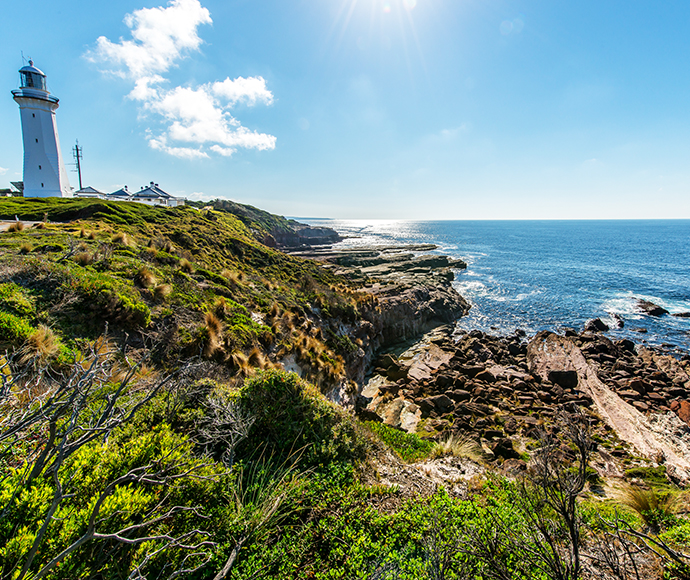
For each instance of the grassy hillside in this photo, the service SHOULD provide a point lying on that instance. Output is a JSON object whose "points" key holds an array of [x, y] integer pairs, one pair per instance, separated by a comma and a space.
{"points": [[198, 278]]}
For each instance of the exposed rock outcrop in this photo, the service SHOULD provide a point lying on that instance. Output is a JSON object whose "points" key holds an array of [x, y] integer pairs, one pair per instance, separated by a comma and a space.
{"points": [[650, 308]]}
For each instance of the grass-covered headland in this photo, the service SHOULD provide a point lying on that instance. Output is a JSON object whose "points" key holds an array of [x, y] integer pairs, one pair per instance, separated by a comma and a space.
{"points": [[149, 429]]}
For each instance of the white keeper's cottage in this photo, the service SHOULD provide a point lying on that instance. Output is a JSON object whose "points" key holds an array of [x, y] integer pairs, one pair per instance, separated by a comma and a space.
{"points": [[44, 169]]}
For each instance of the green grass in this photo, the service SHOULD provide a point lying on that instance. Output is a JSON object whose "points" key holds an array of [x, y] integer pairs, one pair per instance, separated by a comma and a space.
{"points": [[408, 446]]}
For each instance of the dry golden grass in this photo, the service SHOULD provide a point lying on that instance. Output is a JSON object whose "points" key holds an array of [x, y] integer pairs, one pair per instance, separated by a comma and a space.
{"points": [[41, 346], [162, 291], [220, 308], [83, 258], [213, 324], [25, 248], [186, 266], [40, 225], [146, 373], [274, 312], [458, 446], [647, 503], [145, 278], [122, 239], [239, 362], [92, 235], [16, 227], [256, 358]]}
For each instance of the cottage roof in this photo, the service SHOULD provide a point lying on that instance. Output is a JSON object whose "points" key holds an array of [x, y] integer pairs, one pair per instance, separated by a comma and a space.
{"points": [[89, 189], [152, 191]]}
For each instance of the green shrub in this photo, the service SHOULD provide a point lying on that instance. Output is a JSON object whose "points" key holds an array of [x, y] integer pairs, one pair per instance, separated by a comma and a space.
{"points": [[14, 331], [13, 299], [291, 415]]}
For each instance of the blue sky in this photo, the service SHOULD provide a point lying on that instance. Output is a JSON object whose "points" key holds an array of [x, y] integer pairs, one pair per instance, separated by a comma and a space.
{"points": [[398, 109]]}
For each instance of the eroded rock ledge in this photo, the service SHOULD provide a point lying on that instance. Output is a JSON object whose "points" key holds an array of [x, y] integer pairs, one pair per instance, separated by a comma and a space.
{"points": [[413, 293]]}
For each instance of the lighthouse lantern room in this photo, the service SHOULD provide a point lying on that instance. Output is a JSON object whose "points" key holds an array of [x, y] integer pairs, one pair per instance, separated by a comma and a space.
{"points": [[44, 170]]}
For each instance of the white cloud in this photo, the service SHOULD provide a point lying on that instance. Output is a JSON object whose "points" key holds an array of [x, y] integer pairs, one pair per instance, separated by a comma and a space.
{"points": [[160, 143], [3, 170], [159, 37], [224, 151], [200, 196], [249, 91], [196, 119]]}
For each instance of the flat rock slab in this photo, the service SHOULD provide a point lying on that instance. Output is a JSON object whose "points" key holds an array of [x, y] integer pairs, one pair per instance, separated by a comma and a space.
{"points": [[424, 361], [549, 352]]}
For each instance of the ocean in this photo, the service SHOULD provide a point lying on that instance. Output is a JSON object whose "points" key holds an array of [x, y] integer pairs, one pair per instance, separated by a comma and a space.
{"points": [[535, 275]]}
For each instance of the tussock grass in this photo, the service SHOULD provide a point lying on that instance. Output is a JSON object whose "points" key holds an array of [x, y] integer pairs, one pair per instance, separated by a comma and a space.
{"points": [[16, 227], [186, 266], [214, 330], [145, 278], [240, 363], [213, 324], [122, 239], [654, 509], [221, 308], [25, 248], [41, 346], [458, 446], [83, 258], [162, 291], [256, 358]]}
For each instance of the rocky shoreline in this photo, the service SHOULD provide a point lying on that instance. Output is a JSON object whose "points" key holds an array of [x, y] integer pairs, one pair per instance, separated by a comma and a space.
{"points": [[504, 391]]}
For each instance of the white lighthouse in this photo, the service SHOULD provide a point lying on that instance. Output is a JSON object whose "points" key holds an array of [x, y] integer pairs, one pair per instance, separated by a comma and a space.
{"points": [[44, 170]]}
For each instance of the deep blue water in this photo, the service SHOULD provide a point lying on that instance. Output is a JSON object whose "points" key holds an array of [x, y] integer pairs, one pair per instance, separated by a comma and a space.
{"points": [[538, 275]]}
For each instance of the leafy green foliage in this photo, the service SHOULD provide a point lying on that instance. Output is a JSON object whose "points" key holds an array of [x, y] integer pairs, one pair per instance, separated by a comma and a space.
{"points": [[291, 415], [14, 330]]}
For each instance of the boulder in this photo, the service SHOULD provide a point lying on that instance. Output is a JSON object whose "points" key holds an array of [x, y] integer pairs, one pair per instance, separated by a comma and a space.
{"points": [[459, 395], [441, 403], [565, 379], [503, 447], [650, 308], [682, 409], [596, 325], [485, 376]]}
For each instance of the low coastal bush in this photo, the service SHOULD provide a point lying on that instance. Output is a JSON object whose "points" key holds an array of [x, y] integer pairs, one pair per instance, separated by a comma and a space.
{"points": [[293, 415], [14, 331]]}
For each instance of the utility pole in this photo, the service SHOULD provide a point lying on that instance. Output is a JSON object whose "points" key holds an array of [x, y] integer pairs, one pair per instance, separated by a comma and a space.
{"points": [[78, 156]]}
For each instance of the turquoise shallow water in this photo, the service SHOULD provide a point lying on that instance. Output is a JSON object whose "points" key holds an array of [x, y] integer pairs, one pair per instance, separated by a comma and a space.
{"points": [[538, 275]]}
